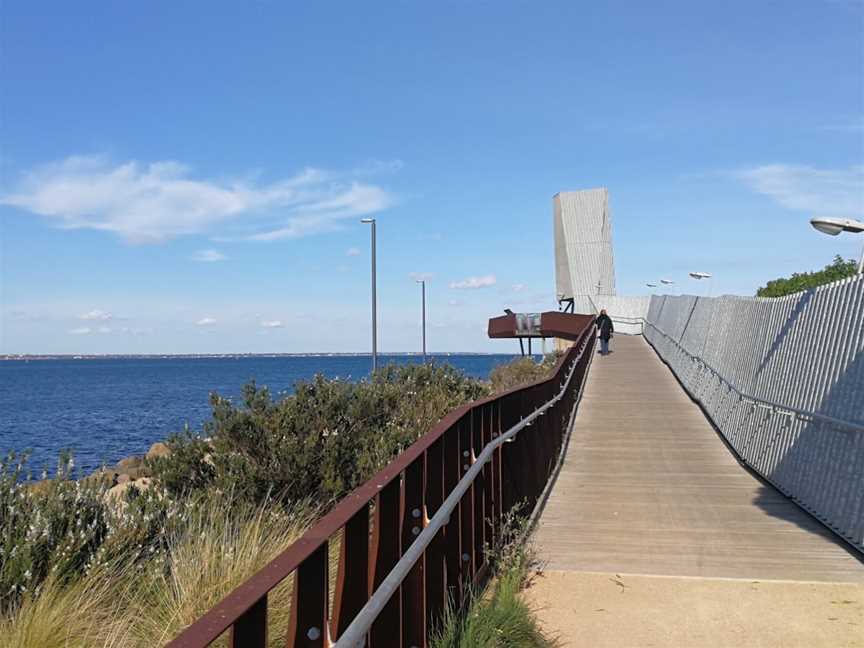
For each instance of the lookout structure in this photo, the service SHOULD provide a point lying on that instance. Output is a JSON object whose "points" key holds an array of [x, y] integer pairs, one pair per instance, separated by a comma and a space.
{"points": [[584, 262]]}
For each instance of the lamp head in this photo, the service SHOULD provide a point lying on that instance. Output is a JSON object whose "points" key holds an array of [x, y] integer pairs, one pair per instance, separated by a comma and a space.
{"points": [[834, 226], [367, 220], [827, 225]]}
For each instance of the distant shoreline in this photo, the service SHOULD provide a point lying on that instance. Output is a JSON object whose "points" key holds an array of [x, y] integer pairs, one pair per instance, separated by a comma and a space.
{"points": [[202, 356]]}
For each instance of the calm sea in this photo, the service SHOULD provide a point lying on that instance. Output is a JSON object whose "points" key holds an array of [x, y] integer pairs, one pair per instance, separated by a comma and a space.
{"points": [[107, 409]]}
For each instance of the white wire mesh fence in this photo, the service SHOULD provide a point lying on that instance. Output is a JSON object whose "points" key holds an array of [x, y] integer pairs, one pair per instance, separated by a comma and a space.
{"points": [[783, 381]]}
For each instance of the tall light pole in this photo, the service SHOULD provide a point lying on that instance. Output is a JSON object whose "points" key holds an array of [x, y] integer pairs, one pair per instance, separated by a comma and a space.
{"points": [[371, 221], [422, 283], [834, 226]]}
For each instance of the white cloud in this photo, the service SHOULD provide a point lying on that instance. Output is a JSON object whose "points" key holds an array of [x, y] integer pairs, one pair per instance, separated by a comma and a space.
{"points": [[352, 252], [455, 302], [208, 256], [147, 203], [80, 331], [96, 314], [103, 329], [272, 324], [205, 321], [474, 282], [519, 287], [831, 192]]}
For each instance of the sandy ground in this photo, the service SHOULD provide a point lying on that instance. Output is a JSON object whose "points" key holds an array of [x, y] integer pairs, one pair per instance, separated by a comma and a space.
{"points": [[596, 610]]}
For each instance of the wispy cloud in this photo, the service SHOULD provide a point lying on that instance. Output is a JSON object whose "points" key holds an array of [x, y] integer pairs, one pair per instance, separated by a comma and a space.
{"points": [[519, 287], [136, 331], [205, 321], [352, 252], [103, 329], [154, 202], [421, 276], [835, 192], [208, 256], [852, 126], [272, 324], [84, 330], [474, 282], [96, 315], [378, 167]]}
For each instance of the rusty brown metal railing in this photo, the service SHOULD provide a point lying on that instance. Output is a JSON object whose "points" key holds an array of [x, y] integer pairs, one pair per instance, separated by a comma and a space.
{"points": [[397, 504]]}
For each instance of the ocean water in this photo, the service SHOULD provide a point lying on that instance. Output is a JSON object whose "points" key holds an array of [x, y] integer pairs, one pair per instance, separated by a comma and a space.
{"points": [[107, 409]]}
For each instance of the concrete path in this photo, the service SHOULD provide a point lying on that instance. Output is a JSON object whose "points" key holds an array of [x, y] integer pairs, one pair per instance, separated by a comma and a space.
{"points": [[649, 488]]}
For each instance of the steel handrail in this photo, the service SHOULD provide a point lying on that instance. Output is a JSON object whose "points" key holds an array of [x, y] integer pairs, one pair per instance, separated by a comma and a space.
{"points": [[761, 402], [355, 633]]}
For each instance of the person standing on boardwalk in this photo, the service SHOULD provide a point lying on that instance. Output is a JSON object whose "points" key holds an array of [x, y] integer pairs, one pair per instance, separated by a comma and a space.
{"points": [[604, 326]]}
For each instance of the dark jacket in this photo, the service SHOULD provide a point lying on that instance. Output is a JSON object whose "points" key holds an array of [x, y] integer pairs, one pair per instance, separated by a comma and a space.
{"points": [[604, 325]]}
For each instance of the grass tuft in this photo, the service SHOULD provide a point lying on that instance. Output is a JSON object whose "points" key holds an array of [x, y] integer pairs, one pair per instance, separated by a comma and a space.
{"points": [[130, 603], [498, 617]]}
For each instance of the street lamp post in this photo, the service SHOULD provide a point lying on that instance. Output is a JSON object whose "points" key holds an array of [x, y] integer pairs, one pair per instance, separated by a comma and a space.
{"points": [[422, 283], [834, 226], [371, 221]]}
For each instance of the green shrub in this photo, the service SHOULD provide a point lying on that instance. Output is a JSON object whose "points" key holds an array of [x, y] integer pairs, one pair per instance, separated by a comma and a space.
{"points": [[522, 371], [59, 529], [321, 441], [835, 271], [53, 527]]}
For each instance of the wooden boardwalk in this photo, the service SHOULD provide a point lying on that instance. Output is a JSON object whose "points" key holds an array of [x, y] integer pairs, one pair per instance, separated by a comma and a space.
{"points": [[648, 487]]}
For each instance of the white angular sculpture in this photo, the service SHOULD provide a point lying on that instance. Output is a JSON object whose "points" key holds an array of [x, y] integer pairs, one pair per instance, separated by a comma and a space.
{"points": [[584, 265]]}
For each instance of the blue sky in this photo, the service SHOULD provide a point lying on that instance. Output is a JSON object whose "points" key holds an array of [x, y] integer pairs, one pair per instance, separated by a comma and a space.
{"points": [[189, 177]]}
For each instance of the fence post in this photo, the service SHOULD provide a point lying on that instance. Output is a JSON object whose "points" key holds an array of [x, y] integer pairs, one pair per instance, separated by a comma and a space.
{"points": [[413, 587], [250, 630], [436, 592], [478, 523], [311, 595], [466, 508], [352, 583], [452, 531], [385, 540]]}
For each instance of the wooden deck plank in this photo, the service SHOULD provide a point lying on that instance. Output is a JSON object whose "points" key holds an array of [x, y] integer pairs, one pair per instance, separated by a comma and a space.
{"points": [[648, 487]]}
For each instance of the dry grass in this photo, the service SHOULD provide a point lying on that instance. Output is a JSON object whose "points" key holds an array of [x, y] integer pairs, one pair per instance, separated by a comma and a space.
{"points": [[220, 546], [60, 616]]}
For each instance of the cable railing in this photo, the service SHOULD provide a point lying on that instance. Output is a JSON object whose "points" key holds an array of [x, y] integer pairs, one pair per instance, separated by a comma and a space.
{"points": [[412, 540], [776, 408]]}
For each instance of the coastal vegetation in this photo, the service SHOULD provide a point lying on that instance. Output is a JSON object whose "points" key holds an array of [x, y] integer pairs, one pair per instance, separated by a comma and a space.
{"points": [[129, 559], [838, 269], [522, 371]]}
